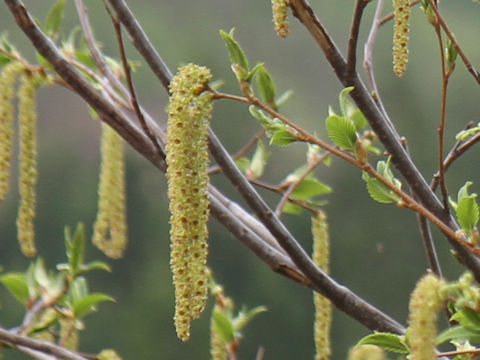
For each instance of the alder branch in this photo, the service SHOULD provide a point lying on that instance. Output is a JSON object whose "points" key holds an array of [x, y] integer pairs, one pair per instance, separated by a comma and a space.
{"points": [[387, 135], [45, 347], [340, 296]]}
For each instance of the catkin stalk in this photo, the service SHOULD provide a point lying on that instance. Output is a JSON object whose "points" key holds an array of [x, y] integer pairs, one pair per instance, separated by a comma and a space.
{"points": [[323, 307]]}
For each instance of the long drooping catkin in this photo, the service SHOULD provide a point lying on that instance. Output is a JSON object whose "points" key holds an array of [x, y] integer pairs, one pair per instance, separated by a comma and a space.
{"points": [[323, 307], [401, 29], [425, 302], [8, 78], [111, 214], [27, 118], [187, 157]]}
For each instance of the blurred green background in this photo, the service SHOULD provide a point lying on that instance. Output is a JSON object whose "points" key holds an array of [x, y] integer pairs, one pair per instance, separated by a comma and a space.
{"points": [[376, 249]]}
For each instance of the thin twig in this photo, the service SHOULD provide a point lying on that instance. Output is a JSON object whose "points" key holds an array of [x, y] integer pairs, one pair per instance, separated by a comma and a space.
{"points": [[46, 347], [353, 38], [456, 45]]}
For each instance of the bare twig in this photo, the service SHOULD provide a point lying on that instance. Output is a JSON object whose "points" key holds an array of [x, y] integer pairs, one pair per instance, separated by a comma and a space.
{"points": [[353, 38], [45, 347]]}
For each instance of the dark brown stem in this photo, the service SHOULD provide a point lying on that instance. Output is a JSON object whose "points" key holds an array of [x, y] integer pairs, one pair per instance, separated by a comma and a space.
{"points": [[353, 38]]}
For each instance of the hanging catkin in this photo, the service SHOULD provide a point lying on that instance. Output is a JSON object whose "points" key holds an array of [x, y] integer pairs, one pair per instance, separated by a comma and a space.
{"points": [[189, 112]]}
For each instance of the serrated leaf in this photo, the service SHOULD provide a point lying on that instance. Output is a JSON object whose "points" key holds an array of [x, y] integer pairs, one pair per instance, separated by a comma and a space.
{"points": [[378, 191], [468, 213], [259, 159], [387, 341], [266, 86], [235, 51], [224, 327], [310, 187], [458, 332], [342, 132], [54, 18], [291, 208], [16, 284], [282, 138], [88, 303], [463, 191]]}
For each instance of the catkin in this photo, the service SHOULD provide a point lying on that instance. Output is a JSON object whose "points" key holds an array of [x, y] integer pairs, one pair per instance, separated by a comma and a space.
{"points": [[366, 352], [323, 307], [218, 349], [425, 302], [401, 29], [27, 118], [111, 217], [280, 10], [189, 111], [8, 77]]}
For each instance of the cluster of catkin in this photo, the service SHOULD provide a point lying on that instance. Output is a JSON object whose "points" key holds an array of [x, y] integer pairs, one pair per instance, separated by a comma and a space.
{"points": [[189, 111], [27, 118], [323, 307], [110, 229]]}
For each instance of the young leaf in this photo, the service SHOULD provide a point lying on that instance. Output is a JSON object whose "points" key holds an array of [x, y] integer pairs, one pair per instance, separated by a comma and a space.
{"points": [[310, 187], [94, 265], [291, 208], [282, 138], [54, 18], [269, 124], [87, 304], [245, 316], [469, 319], [235, 51], [243, 163], [266, 86], [378, 191], [342, 132], [343, 100], [259, 160], [387, 341], [458, 332], [75, 246], [16, 284], [467, 210], [224, 327]]}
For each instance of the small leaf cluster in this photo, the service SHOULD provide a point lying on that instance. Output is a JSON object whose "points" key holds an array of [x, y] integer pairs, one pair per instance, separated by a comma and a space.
{"points": [[57, 301], [378, 190], [467, 212]]}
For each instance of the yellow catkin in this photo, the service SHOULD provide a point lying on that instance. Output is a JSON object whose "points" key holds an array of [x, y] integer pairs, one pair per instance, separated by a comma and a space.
{"points": [[27, 118], [111, 214], [401, 29], [8, 78], [366, 352], [189, 111], [218, 350], [279, 10], [323, 307], [425, 302]]}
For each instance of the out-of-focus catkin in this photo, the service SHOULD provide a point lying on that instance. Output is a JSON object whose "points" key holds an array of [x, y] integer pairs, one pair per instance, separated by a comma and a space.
{"points": [[189, 111], [366, 352], [401, 29], [280, 10], [323, 307], [110, 229], [27, 118], [425, 302], [8, 78]]}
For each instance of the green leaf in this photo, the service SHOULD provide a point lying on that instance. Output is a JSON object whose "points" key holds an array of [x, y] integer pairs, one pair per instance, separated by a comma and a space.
{"points": [[235, 51], [266, 86], [4, 60], [282, 138], [75, 246], [465, 134], [16, 283], [467, 210], [259, 159], [283, 98], [94, 265], [387, 341], [245, 316], [55, 18], [88, 303], [310, 187], [224, 327], [358, 119], [243, 163], [342, 132], [458, 332], [469, 319], [291, 208], [269, 124], [343, 100], [378, 191]]}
